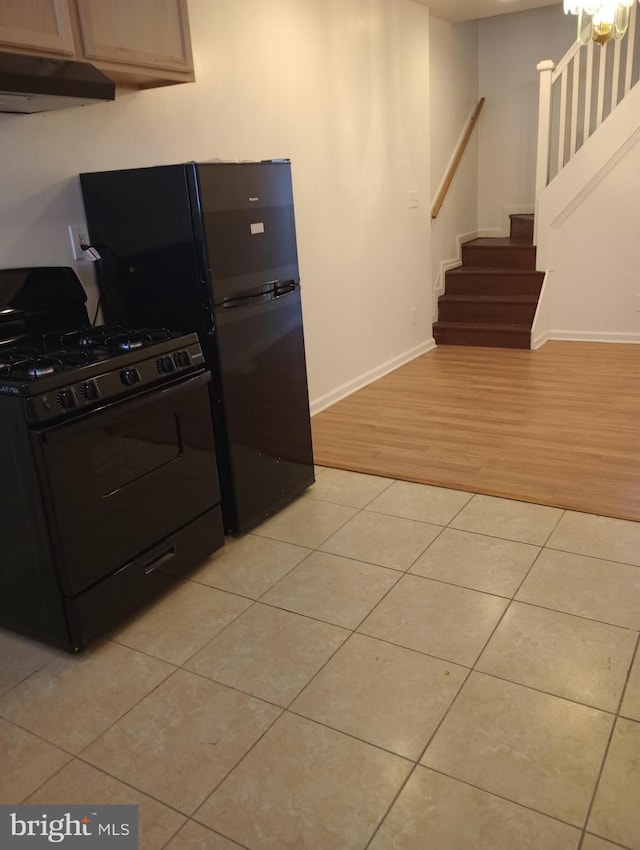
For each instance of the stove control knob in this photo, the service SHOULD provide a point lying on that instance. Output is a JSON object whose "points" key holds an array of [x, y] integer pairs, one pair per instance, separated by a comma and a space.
{"points": [[129, 377], [89, 391], [182, 359], [165, 365], [66, 399]]}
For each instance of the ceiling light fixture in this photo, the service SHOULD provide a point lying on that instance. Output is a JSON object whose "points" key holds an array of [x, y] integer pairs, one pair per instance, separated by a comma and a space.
{"points": [[609, 18]]}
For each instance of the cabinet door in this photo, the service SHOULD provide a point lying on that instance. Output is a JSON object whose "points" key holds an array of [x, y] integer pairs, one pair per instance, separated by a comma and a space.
{"points": [[142, 33], [41, 26]]}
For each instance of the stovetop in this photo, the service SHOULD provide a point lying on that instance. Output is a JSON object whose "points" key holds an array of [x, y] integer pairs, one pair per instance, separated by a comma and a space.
{"points": [[33, 359], [64, 373]]}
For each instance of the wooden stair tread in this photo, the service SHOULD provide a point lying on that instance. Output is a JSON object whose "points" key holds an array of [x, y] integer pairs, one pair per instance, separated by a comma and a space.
{"points": [[489, 270], [498, 242], [490, 299], [482, 326]]}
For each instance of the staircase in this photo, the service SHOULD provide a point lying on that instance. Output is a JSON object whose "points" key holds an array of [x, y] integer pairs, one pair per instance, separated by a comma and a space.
{"points": [[491, 299]]}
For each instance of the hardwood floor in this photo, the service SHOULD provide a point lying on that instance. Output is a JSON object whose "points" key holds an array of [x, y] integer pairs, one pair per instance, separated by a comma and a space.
{"points": [[558, 426]]}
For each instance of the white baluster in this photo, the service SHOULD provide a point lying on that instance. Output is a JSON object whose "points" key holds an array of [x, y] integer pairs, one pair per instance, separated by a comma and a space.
{"points": [[563, 120], [602, 72], [544, 124], [631, 43], [588, 92], [575, 93], [615, 76]]}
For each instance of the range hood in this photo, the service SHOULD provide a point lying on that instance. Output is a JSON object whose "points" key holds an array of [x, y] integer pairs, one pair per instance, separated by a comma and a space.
{"points": [[34, 84]]}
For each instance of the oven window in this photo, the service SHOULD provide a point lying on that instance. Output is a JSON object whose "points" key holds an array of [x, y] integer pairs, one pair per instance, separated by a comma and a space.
{"points": [[125, 456]]}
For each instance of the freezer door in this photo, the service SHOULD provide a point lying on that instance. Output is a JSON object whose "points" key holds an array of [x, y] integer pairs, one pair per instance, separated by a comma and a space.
{"points": [[263, 400], [248, 234]]}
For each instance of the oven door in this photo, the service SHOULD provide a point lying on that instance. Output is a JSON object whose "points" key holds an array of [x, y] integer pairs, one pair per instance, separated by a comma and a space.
{"points": [[122, 478]]}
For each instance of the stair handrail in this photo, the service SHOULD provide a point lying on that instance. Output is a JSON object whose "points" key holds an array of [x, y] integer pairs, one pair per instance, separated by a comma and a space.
{"points": [[457, 158], [577, 94]]}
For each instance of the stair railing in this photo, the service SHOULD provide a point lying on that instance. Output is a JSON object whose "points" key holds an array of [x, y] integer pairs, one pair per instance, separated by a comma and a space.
{"points": [[455, 162], [578, 93]]}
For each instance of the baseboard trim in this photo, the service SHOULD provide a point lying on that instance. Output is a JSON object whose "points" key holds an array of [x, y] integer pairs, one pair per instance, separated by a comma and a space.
{"points": [[319, 404], [452, 263], [593, 336], [539, 340], [491, 233]]}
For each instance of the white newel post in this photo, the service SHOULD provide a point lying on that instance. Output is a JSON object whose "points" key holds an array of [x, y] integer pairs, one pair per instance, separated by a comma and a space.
{"points": [[544, 125]]}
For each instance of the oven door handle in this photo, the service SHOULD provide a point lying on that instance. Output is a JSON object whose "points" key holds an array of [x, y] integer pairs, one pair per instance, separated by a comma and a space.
{"points": [[152, 565]]}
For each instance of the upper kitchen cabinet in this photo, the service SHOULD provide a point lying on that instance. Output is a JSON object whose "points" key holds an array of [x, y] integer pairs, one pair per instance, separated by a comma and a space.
{"points": [[37, 26], [137, 43]]}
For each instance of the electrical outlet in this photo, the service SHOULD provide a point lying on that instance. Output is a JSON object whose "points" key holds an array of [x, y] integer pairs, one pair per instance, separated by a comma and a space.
{"points": [[78, 235], [637, 304], [413, 200], [412, 316]]}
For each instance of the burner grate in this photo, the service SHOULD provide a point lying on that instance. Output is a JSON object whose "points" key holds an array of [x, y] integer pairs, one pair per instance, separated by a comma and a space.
{"points": [[32, 364], [104, 341]]}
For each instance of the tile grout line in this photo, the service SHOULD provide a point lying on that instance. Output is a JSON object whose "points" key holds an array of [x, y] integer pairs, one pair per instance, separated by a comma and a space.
{"points": [[597, 780], [573, 614], [607, 748], [592, 557], [482, 790], [28, 676], [213, 831]]}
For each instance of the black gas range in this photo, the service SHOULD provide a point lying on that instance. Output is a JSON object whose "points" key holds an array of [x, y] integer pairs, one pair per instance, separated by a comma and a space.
{"points": [[59, 374], [109, 490]]}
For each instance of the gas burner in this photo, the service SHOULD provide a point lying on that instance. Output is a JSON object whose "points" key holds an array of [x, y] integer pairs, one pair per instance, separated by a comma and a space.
{"points": [[34, 368], [40, 369], [134, 340], [12, 358], [126, 343]]}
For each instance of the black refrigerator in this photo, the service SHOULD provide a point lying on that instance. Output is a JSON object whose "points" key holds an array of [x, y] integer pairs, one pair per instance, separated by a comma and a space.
{"points": [[211, 248]]}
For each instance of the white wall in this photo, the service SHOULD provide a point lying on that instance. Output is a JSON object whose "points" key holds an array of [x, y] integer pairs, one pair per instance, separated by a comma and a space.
{"points": [[595, 276], [510, 48], [453, 54], [588, 219], [341, 87]]}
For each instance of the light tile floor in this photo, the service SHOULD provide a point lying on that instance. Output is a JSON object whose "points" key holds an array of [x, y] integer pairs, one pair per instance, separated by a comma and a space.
{"points": [[382, 665]]}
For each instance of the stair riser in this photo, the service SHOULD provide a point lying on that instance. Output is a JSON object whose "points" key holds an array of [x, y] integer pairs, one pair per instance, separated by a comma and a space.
{"points": [[487, 339], [466, 283], [522, 228], [499, 257], [498, 314]]}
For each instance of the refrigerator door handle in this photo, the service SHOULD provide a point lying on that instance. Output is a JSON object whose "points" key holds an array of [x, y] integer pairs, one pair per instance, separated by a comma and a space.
{"points": [[247, 301], [283, 289]]}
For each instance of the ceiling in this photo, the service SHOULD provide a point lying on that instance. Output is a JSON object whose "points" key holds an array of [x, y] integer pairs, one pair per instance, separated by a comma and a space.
{"points": [[466, 10]]}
